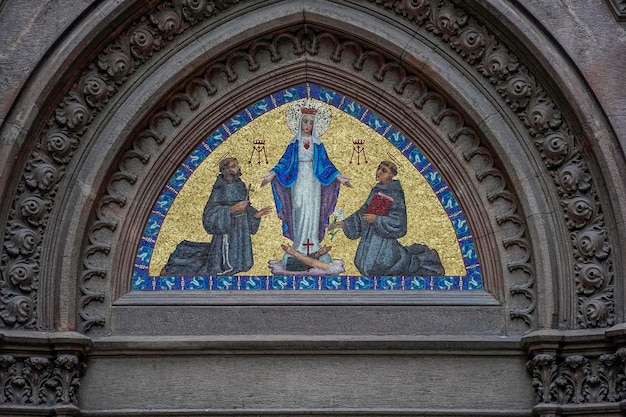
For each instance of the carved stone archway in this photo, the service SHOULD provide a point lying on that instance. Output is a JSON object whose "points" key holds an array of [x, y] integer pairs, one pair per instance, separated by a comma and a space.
{"points": [[484, 106]]}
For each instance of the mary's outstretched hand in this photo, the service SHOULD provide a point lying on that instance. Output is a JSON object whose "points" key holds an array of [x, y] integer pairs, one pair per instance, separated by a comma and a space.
{"points": [[343, 180], [267, 178]]}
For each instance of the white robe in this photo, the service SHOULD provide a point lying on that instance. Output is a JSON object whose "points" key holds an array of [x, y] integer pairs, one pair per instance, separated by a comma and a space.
{"points": [[306, 199]]}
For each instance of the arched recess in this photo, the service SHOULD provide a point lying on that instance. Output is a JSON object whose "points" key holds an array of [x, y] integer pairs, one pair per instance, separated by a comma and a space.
{"points": [[500, 111]]}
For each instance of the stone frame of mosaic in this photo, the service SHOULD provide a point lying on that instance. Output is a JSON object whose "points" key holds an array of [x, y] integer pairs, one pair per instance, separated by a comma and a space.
{"points": [[143, 281]]}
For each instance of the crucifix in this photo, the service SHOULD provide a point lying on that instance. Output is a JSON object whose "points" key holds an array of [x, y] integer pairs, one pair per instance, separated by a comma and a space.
{"points": [[308, 245]]}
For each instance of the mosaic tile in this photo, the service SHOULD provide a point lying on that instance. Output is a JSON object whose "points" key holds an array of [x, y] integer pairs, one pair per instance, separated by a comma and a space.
{"points": [[168, 283], [196, 283], [280, 283], [152, 226], [224, 283], [261, 107], [179, 178], [197, 156], [460, 226], [397, 138], [417, 283], [447, 283], [236, 122], [325, 95], [375, 122], [448, 202], [253, 283], [141, 281], [468, 252], [353, 109], [361, 283], [216, 138], [415, 157], [334, 283], [164, 202], [389, 283], [307, 283], [144, 253]]}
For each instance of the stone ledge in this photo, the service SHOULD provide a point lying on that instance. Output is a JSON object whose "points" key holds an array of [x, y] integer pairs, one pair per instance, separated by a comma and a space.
{"points": [[293, 345]]}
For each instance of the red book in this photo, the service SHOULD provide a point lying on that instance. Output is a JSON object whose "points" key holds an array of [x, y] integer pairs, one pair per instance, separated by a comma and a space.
{"points": [[380, 204]]}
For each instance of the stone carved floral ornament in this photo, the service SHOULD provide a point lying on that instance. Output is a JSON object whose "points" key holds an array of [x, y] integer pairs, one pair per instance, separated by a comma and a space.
{"points": [[145, 36], [40, 380], [579, 379]]}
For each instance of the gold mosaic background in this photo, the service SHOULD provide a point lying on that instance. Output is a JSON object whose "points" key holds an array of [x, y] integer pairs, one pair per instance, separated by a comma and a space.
{"points": [[427, 221]]}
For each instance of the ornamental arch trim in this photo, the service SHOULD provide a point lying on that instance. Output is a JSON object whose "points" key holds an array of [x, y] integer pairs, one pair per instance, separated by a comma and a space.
{"points": [[469, 45]]}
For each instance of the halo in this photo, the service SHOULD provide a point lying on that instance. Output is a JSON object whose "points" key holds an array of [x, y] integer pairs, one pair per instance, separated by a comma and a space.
{"points": [[322, 117]]}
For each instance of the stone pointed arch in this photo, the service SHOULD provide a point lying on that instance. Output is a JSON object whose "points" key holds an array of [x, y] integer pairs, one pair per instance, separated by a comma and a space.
{"points": [[514, 129]]}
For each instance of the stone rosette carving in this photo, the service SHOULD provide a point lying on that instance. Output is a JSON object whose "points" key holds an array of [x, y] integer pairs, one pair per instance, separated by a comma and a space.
{"points": [[40, 380], [464, 34], [579, 379]]}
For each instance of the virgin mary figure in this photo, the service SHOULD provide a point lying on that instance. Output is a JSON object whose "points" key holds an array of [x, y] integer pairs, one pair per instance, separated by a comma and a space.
{"points": [[305, 183]]}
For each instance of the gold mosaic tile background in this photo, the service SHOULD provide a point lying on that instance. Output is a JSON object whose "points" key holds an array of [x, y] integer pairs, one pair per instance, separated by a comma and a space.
{"points": [[427, 221]]}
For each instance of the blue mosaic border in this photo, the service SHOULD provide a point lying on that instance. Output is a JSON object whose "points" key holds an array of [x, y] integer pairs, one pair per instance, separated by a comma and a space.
{"points": [[141, 281]]}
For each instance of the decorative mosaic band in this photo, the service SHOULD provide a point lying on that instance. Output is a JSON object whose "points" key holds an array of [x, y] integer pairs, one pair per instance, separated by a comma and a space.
{"points": [[142, 281]]}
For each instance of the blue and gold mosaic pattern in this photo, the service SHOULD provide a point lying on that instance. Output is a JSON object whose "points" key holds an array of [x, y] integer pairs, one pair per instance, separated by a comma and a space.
{"points": [[143, 281]]}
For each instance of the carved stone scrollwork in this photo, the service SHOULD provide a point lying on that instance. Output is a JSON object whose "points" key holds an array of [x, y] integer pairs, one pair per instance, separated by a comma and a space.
{"points": [[19, 265], [307, 41], [552, 136], [40, 380], [579, 379]]}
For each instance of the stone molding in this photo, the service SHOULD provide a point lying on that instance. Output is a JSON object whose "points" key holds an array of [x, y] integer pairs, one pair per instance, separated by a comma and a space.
{"points": [[618, 8], [408, 88], [474, 43], [41, 371], [572, 370]]}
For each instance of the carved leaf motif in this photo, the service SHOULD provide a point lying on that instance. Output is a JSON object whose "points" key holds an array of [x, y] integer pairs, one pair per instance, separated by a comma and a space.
{"points": [[22, 240], [542, 115], [517, 91], [17, 309], [21, 274], [8, 369], [59, 144], [144, 41], [417, 10], [579, 210], [36, 370], [168, 20], [40, 174], [95, 89], [543, 369], [446, 20], [574, 177], [497, 62], [597, 311], [196, 10], [116, 60], [555, 147], [590, 277], [607, 373], [73, 112], [470, 42], [593, 242], [32, 208]]}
